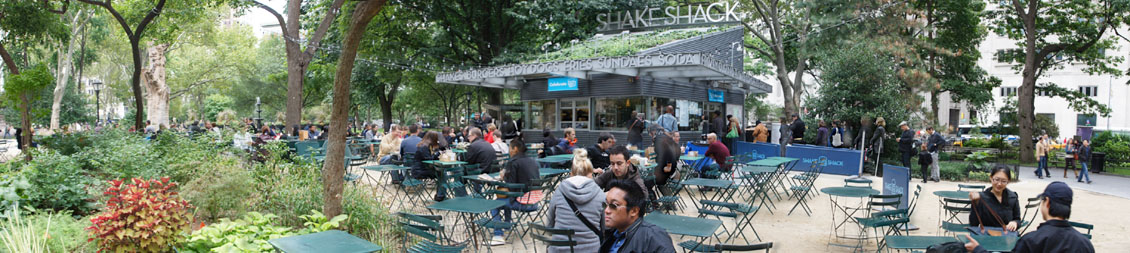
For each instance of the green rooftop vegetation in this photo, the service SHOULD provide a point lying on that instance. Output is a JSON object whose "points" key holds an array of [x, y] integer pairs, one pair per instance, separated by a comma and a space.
{"points": [[619, 44]]}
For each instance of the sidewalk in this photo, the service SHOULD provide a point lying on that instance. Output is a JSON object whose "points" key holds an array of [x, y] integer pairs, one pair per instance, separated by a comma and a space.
{"points": [[1100, 183]]}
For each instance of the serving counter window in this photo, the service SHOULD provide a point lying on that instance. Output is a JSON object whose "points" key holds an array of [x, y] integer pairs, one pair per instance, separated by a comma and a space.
{"points": [[542, 114], [616, 113], [574, 113]]}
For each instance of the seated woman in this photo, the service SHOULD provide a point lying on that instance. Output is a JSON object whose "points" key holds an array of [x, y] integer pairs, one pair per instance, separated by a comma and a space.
{"points": [[996, 206], [429, 149], [576, 205]]}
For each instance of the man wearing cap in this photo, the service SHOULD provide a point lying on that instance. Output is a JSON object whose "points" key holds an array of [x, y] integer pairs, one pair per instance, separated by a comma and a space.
{"points": [[906, 144], [797, 129], [1055, 234]]}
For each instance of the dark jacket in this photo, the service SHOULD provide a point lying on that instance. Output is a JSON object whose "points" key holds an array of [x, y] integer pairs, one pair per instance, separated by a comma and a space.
{"points": [[665, 155], [509, 130], [566, 147], [480, 152], [906, 141], [718, 126], [520, 170], [924, 158], [599, 157], [1085, 153], [635, 130], [1051, 236], [633, 175], [876, 140], [785, 135], [798, 129], [934, 142], [1008, 211], [420, 169], [823, 136], [640, 237]]}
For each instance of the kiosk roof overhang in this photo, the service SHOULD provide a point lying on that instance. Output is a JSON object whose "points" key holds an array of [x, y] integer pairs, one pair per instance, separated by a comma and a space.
{"points": [[695, 67]]}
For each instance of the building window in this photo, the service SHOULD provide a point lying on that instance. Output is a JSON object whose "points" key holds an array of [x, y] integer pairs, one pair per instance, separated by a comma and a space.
{"points": [[574, 113], [1090, 91], [616, 113], [689, 113], [1000, 55], [541, 114], [1008, 91]]}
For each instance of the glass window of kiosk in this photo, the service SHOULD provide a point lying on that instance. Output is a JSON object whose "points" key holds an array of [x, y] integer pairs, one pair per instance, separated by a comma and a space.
{"points": [[689, 113], [616, 113], [574, 113], [542, 114]]}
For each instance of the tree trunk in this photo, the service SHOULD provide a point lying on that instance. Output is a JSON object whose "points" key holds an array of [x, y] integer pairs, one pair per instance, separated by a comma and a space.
{"points": [[156, 90], [333, 171], [934, 107], [1027, 89], [28, 132], [64, 69]]}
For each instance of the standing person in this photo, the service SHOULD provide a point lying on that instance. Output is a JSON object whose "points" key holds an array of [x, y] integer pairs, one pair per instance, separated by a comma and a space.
{"points": [[487, 119], [1072, 150], [1084, 159], [667, 121], [797, 129], [704, 125], [906, 144], [519, 170], [734, 133], [598, 152], [823, 136], [1055, 234], [837, 135], [924, 161], [627, 231], [878, 135], [635, 130], [760, 133], [667, 152], [786, 136], [576, 205], [718, 124], [934, 145], [509, 128], [1042, 148], [569, 142]]}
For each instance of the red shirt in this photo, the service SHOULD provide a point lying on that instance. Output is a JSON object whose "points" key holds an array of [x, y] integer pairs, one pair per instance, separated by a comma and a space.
{"points": [[719, 152], [490, 137]]}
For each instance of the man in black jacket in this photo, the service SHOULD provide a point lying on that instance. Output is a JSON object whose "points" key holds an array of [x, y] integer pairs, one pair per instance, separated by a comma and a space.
{"points": [[906, 144], [636, 126], [718, 124], [627, 231], [1055, 234], [934, 144], [598, 153], [797, 128], [509, 128], [479, 152]]}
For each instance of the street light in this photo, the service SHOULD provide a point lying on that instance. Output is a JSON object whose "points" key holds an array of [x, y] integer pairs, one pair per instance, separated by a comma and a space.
{"points": [[97, 102], [259, 112]]}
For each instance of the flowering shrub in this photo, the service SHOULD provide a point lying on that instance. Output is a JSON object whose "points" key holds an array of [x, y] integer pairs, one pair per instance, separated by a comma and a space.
{"points": [[142, 216]]}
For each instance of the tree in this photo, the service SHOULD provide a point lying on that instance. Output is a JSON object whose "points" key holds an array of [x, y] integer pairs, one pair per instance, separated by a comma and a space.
{"points": [[399, 42], [334, 166], [780, 34], [298, 59], [1048, 31], [954, 27], [28, 22], [21, 90], [134, 34], [64, 55]]}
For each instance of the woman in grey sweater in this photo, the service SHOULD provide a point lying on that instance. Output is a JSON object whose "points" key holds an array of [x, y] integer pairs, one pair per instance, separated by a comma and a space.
{"points": [[587, 196]]}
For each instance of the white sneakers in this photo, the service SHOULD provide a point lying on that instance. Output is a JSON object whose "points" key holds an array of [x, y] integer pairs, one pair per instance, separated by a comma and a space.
{"points": [[496, 241]]}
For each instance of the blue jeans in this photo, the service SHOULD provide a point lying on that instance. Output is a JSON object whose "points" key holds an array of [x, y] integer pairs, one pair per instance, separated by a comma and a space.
{"points": [[1044, 166], [1084, 173], [511, 204], [395, 174]]}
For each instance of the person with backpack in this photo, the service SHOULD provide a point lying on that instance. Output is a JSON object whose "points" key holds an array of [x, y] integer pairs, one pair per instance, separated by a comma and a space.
{"points": [[576, 205]]}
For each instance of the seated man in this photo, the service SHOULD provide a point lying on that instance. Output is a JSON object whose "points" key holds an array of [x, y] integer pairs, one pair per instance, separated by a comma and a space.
{"points": [[1054, 235], [569, 142], [621, 169], [717, 151], [519, 170], [623, 216], [598, 153], [479, 152]]}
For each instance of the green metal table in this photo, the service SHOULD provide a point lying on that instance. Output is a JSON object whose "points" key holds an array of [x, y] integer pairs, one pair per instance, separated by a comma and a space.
{"points": [[722, 186], [993, 243], [468, 209], [848, 212], [683, 225], [691, 158], [952, 194], [384, 169], [915, 242], [555, 159], [327, 241]]}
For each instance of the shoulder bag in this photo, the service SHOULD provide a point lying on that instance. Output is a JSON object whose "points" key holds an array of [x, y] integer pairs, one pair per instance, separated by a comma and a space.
{"points": [[588, 224]]}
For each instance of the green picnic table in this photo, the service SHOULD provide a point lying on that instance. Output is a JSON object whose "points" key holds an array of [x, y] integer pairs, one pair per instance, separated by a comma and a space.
{"points": [[993, 243], [915, 242], [952, 194], [327, 241]]}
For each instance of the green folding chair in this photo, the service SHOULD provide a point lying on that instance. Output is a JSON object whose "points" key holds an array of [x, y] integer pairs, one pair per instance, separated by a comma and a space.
{"points": [[857, 182], [970, 188], [545, 235], [1086, 226], [428, 228], [694, 246], [952, 210], [1031, 211]]}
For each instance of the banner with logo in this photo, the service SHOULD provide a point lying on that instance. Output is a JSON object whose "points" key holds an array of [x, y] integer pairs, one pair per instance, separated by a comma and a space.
{"points": [[896, 180], [718, 96], [838, 161], [758, 151], [562, 84]]}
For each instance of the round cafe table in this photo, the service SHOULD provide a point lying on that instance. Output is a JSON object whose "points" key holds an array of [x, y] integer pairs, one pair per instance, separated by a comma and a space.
{"points": [[952, 194], [848, 212]]}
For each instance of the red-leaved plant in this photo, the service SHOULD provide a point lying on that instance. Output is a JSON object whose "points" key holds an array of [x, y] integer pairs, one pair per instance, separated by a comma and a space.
{"points": [[142, 216]]}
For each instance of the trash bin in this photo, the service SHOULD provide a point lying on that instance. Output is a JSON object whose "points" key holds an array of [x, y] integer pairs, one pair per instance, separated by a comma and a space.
{"points": [[1098, 160]]}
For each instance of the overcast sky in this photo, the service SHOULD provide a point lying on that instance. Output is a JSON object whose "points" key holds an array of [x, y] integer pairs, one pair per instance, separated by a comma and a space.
{"points": [[257, 17]]}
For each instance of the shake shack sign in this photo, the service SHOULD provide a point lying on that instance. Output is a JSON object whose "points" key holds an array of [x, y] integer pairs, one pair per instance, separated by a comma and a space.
{"points": [[672, 16]]}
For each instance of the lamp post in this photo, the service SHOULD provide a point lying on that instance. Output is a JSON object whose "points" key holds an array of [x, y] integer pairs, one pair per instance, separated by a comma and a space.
{"points": [[97, 102], [468, 114], [258, 112]]}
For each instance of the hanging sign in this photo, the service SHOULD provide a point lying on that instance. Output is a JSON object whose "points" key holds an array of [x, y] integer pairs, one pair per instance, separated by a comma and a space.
{"points": [[562, 84], [716, 95], [690, 15]]}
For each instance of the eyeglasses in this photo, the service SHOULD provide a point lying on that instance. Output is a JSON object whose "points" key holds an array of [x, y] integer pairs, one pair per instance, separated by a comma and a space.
{"points": [[613, 206], [1000, 180]]}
